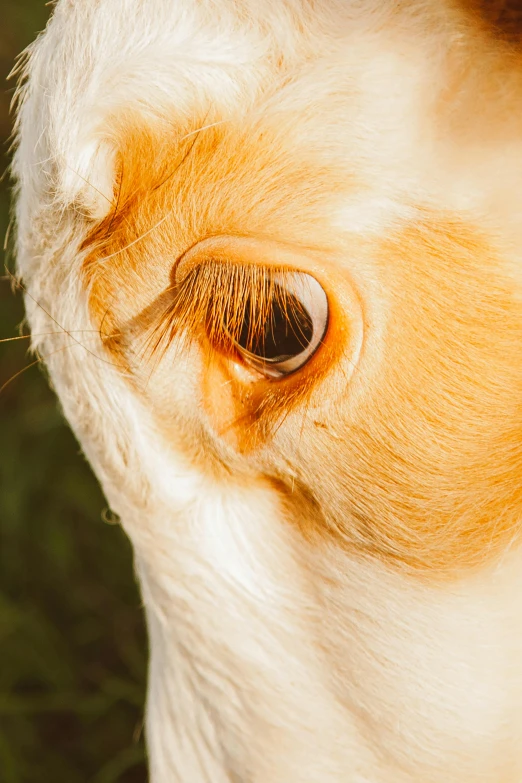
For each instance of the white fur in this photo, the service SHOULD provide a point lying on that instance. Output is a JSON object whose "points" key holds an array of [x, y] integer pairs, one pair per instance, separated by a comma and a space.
{"points": [[272, 661]]}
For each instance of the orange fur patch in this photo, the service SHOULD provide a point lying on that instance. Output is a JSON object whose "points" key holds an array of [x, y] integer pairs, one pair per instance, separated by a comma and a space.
{"points": [[425, 469], [432, 453], [175, 189]]}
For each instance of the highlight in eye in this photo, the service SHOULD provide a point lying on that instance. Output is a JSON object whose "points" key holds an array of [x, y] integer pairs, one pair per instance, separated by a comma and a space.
{"points": [[294, 327], [273, 319]]}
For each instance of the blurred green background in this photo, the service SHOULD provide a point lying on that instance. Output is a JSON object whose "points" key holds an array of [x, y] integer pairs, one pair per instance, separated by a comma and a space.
{"points": [[72, 642]]}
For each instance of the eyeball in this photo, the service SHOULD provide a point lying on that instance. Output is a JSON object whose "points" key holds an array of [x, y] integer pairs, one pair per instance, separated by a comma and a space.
{"points": [[294, 323]]}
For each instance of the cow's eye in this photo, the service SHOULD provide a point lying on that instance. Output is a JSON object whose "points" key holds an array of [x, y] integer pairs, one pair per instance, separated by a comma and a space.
{"points": [[280, 337]]}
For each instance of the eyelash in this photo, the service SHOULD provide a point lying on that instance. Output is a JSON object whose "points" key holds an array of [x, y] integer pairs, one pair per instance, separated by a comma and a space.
{"points": [[218, 299]]}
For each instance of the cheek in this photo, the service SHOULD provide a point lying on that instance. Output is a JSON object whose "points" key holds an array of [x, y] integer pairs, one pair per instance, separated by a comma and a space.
{"points": [[423, 467]]}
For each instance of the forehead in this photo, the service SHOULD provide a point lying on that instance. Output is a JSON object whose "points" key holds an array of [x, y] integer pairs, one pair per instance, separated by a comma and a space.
{"points": [[317, 152]]}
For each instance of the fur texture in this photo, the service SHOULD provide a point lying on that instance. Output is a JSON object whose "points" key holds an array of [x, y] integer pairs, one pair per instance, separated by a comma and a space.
{"points": [[330, 562]]}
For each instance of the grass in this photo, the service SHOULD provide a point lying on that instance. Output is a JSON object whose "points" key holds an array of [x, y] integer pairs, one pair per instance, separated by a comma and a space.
{"points": [[72, 641]]}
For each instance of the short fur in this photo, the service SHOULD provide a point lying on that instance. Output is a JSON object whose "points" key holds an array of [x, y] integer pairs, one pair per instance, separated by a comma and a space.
{"points": [[330, 563]]}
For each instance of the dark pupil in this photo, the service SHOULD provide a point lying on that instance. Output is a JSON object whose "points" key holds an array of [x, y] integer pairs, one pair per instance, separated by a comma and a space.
{"points": [[287, 331]]}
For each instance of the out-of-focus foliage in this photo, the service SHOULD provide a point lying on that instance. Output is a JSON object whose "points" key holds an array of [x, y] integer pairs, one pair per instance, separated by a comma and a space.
{"points": [[72, 644]]}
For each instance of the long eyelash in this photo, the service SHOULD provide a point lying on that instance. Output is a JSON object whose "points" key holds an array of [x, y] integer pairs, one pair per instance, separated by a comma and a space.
{"points": [[218, 299], [211, 303]]}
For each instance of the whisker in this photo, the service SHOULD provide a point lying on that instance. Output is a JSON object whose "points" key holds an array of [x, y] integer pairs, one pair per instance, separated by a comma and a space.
{"points": [[204, 127], [20, 372], [116, 206], [7, 238], [182, 161], [91, 186], [51, 334], [107, 309], [138, 239], [33, 364], [159, 185], [26, 292], [20, 337]]}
